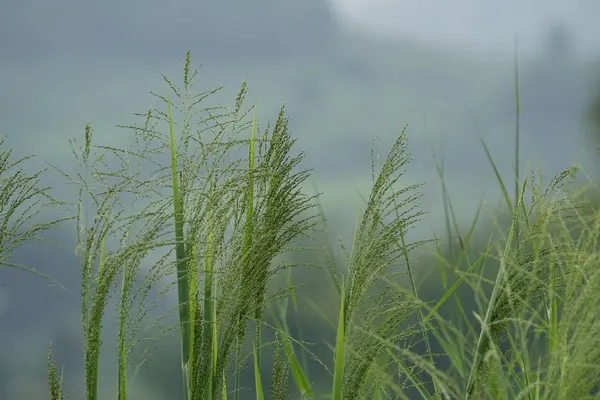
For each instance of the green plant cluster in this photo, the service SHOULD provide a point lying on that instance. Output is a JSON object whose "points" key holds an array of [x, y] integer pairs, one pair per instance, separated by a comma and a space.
{"points": [[219, 222]]}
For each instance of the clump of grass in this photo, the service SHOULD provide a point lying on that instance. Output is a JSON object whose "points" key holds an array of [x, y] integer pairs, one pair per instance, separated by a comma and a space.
{"points": [[265, 203], [538, 279], [231, 220], [215, 223]]}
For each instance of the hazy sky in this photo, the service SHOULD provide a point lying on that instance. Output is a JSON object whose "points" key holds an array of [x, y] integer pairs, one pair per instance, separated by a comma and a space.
{"points": [[476, 24]]}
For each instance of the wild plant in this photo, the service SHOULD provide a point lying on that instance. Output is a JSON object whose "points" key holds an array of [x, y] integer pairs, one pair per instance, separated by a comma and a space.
{"points": [[213, 208], [228, 223]]}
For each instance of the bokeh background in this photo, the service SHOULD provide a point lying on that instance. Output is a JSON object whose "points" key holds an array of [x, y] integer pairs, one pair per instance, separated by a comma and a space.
{"points": [[348, 70]]}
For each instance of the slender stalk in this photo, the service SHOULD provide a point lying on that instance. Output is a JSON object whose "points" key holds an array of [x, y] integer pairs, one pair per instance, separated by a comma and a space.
{"points": [[121, 339], [338, 375], [209, 312], [420, 310], [249, 227], [193, 311], [247, 243], [183, 294], [482, 341], [517, 131]]}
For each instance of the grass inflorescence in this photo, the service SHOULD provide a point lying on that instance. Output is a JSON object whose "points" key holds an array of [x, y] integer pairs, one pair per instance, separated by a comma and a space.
{"points": [[211, 212]]}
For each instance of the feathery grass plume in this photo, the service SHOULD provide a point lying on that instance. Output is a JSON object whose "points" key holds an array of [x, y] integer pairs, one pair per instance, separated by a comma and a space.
{"points": [[279, 380], [374, 249], [573, 367], [377, 246], [54, 378], [299, 372], [20, 199], [276, 220], [569, 367]]}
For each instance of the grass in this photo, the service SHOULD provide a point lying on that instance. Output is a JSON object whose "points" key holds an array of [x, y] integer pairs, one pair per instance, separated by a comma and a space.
{"points": [[210, 223]]}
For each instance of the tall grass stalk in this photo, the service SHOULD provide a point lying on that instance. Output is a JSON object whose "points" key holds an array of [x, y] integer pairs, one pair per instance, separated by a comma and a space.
{"points": [[183, 289]]}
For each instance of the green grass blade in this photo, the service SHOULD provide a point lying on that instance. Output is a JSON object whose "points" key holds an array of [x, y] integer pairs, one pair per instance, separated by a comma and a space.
{"points": [[517, 122], [257, 381], [331, 266], [236, 374], [183, 295], [298, 374], [415, 293], [488, 154], [121, 339], [455, 286], [338, 375]]}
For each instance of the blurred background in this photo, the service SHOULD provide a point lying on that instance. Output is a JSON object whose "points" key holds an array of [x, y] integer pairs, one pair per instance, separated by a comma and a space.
{"points": [[348, 70]]}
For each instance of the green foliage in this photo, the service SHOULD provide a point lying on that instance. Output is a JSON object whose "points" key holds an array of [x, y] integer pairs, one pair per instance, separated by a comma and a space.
{"points": [[220, 222]]}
